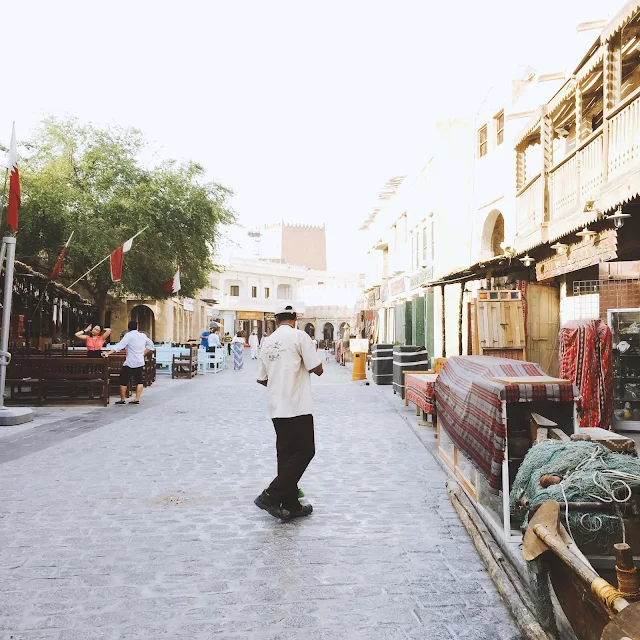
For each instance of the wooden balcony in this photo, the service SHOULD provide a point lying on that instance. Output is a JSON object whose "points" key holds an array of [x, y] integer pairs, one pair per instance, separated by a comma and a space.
{"points": [[530, 221], [602, 172], [576, 179]]}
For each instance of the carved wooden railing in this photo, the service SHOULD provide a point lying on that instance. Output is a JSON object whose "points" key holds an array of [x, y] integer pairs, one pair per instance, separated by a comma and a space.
{"points": [[624, 129], [529, 213], [576, 178]]}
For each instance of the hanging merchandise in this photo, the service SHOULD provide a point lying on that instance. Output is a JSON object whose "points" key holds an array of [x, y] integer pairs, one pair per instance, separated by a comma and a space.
{"points": [[585, 358]]}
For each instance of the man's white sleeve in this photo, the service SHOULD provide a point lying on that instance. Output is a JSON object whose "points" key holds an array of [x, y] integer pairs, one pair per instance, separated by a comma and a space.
{"points": [[309, 353], [149, 344], [119, 346], [262, 369]]}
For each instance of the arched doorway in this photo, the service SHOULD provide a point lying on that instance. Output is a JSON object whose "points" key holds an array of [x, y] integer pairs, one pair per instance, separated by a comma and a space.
{"points": [[327, 333], [145, 318], [492, 235], [310, 330]]}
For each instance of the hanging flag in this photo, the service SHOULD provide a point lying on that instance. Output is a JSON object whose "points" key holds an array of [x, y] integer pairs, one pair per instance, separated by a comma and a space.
{"points": [[56, 270], [173, 286], [13, 203], [117, 260]]}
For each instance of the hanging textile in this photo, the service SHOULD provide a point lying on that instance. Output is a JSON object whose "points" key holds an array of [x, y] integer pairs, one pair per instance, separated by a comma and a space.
{"points": [[586, 358]]}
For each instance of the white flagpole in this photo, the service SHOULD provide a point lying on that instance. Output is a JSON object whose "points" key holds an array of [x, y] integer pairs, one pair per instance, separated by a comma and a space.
{"points": [[90, 270]]}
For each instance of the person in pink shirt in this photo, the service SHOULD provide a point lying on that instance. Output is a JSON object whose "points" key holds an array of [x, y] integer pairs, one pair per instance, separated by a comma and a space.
{"points": [[95, 339]]}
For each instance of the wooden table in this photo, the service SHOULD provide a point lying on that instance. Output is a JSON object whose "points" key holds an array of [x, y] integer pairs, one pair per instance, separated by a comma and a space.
{"points": [[420, 389]]}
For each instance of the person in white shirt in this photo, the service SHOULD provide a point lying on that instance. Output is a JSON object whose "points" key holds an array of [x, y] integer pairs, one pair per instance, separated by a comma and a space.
{"points": [[253, 343], [213, 340], [137, 345], [287, 359]]}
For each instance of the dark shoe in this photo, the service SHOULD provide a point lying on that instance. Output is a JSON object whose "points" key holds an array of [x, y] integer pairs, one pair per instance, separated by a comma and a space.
{"points": [[120, 402], [264, 502], [301, 511], [134, 401]]}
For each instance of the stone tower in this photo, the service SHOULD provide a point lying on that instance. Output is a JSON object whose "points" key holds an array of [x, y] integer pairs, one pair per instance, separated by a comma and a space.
{"points": [[298, 244]]}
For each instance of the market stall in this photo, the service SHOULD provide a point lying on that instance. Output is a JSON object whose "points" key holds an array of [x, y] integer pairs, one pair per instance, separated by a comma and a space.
{"points": [[487, 408]]}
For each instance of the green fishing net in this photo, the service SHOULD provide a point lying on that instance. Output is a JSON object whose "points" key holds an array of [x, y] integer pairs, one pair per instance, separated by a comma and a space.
{"points": [[590, 473]]}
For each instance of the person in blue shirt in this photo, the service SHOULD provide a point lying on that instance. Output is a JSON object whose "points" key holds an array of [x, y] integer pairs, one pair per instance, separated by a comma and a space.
{"points": [[204, 339]]}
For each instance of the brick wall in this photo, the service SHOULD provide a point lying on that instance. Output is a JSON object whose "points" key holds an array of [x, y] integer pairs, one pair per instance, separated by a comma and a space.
{"points": [[618, 294]]}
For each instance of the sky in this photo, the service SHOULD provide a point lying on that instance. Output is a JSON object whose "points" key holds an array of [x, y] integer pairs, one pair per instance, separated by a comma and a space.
{"points": [[303, 109]]}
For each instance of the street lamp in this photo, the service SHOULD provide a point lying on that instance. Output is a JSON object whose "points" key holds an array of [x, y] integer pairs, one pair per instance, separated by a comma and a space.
{"points": [[618, 217], [586, 234], [527, 260], [560, 248]]}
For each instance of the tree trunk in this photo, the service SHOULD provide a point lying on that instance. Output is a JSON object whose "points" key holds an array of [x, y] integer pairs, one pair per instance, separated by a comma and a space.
{"points": [[101, 301]]}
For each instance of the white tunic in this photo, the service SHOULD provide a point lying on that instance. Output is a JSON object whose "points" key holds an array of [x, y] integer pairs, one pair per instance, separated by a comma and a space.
{"points": [[287, 357]]}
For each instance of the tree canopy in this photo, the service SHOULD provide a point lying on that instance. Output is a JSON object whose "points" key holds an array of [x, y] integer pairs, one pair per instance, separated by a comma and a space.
{"points": [[93, 182]]}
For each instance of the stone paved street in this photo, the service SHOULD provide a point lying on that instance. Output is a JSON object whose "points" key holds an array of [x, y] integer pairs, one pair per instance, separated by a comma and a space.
{"points": [[144, 526]]}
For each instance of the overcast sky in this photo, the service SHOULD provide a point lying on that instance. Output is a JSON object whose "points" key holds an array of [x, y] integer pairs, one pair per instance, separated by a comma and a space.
{"points": [[303, 109]]}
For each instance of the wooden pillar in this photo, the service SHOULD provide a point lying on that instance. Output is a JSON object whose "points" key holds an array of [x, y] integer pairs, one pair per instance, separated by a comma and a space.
{"points": [[611, 88], [461, 303], [444, 324], [520, 166], [546, 146], [612, 77], [579, 119]]}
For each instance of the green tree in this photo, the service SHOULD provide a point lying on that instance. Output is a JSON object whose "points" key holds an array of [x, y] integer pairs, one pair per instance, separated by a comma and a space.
{"points": [[91, 181]]}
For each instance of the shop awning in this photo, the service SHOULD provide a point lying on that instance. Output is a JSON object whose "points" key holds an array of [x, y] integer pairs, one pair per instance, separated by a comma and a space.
{"points": [[622, 18], [497, 266]]}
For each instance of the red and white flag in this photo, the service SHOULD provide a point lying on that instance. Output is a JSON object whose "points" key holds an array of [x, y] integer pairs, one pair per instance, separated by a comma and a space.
{"points": [[14, 183], [173, 286], [117, 260], [56, 270]]}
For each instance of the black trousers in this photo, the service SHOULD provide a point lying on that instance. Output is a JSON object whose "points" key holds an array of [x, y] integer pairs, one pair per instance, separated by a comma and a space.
{"points": [[295, 445]]}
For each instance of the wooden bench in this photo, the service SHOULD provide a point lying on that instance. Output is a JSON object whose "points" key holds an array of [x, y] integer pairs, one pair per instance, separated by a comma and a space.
{"points": [[43, 378], [185, 365], [115, 367]]}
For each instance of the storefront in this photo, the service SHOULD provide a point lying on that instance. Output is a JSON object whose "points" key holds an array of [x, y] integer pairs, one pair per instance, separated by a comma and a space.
{"points": [[249, 321]]}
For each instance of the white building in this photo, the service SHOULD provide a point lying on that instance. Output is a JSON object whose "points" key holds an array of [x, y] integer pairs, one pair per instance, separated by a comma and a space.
{"points": [[247, 292]]}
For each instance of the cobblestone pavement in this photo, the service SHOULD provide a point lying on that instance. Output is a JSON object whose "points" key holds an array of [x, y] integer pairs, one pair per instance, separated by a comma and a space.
{"points": [[144, 527]]}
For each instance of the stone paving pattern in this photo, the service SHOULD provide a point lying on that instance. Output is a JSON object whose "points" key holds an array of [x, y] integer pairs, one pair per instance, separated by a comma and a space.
{"points": [[145, 528]]}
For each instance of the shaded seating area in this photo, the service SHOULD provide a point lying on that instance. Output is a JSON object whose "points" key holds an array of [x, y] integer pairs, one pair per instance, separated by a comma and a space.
{"points": [[44, 315], [70, 379]]}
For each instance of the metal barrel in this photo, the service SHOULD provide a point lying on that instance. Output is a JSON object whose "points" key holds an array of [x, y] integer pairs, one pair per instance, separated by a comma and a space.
{"points": [[382, 363], [407, 358]]}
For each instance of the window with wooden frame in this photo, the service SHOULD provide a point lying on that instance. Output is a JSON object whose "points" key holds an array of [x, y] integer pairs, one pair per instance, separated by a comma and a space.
{"points": [[425, 244], [266, 292], [482, 141], [499, 124], [234, 290], [254, 292]]}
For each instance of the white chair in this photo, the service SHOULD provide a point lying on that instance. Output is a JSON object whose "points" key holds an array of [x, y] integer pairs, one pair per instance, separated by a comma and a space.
{"points": [[220, 359]]}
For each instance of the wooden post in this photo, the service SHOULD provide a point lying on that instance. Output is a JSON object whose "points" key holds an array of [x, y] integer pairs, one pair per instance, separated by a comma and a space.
{"points": [[611, 88], [460, 318], [546, 145], [444, 325], [520, 167], [579, 119]]}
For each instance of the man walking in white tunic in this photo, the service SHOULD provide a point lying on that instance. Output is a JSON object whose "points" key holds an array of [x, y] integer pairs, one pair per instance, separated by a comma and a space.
{"points": [[253, 343], [287, 360]]}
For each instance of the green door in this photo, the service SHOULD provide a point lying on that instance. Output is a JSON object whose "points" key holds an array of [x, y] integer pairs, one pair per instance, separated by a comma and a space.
{"points": [[429, 323], [400, 323], [417, 321], [408, 333]]}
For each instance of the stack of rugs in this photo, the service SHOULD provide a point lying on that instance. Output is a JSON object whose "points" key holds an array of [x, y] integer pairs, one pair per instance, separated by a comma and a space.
{"points": [[586, 359]]}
